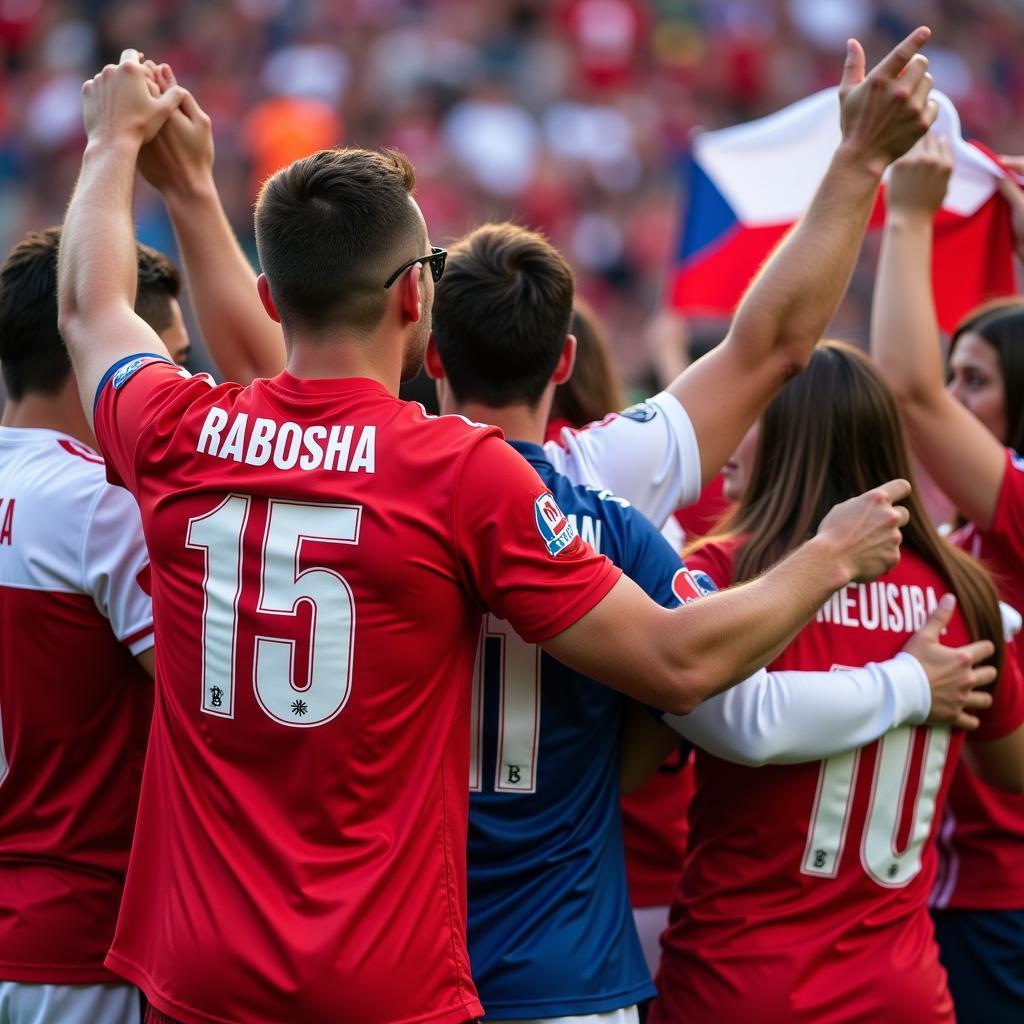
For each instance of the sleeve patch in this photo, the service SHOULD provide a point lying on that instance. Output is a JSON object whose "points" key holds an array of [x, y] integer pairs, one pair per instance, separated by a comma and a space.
{"points": [[643, 412], [1017, 461], [124, 369], [692, 584], [554, 527]]}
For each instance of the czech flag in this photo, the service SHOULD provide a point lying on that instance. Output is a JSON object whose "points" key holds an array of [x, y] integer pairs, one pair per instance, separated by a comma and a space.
{"points": [[749, 184]]}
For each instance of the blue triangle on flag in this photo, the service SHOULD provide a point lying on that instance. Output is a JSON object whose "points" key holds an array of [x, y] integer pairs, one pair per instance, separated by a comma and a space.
{"points": [[708, 215]]}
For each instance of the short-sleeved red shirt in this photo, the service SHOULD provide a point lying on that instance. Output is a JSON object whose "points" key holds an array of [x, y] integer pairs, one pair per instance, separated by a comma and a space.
{"points": [[981, 844], [804, 894], [321, 553]]}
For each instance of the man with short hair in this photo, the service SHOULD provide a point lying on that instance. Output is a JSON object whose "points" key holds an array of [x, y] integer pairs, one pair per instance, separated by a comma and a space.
{"points": [[551, 935], [76, 639], [322, 553]]}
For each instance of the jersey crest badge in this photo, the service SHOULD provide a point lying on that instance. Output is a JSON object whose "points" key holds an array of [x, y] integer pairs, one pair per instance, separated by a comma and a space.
{"points": [[1017, 460], [691, 585], [642, 412], [555, 529]]}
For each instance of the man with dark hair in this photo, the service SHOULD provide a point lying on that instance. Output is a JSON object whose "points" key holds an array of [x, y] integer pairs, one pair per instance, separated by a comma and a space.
{"points": [[322, 553], [74, 702], [544, 824]]}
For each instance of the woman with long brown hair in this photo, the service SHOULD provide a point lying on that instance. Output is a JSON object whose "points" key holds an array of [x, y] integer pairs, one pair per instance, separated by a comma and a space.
{"points": [[804, 893], [969, 436]]}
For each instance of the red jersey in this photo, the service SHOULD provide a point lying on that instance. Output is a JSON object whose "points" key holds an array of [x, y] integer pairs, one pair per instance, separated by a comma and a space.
{"points": [[655, 830], [803, 897], [322, 552], [74, 704], [982, 840]]}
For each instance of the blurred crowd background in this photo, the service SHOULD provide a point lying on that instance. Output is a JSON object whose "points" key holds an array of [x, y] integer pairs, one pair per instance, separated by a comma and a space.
{"points": [[571, 116]]}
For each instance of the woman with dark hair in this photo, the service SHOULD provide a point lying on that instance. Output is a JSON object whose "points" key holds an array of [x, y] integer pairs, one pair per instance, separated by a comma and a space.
{"points": [[803, 898], [593, 389], [969, 436]]}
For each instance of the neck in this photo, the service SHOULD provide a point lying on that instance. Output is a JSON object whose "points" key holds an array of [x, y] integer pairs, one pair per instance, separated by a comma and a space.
{"points": [[516, 422], [343, 355], [62, 412]]}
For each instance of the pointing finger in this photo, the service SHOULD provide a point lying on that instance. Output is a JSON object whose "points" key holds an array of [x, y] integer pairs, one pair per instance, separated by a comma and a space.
{"points": [[898, 58]]}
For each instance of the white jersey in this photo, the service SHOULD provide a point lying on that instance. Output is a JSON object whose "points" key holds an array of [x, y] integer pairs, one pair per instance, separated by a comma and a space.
{"points": [[647, 454], [74, 705]]}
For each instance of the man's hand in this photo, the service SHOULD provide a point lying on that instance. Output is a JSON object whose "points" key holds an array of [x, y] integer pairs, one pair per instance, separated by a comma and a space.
{"points": [[951, 671], [119, 104], [918, 181], [180, 156], [863, 533], [885, 112]]}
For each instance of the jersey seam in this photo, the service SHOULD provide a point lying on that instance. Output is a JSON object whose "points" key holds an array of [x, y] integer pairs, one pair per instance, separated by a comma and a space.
{"points": [[460, 472]]}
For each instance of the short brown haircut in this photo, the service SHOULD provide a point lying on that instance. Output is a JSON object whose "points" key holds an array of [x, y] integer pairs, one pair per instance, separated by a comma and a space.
{"points": [[32, 353], [330, 228], [501, 315]]}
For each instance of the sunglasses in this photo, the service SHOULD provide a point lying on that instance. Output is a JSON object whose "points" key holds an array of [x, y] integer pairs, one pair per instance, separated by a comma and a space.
{"points": [[435, 259]]}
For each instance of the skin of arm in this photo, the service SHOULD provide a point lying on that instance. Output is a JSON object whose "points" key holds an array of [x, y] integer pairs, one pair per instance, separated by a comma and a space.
{"points": [[242, 340], [674, 659], [645, 744], [1000, 762], [147, 660], [791, 301], [905, 343], [97, 271]]}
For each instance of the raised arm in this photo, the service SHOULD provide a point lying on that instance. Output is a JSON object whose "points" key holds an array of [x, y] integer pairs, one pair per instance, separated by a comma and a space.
{"points": [[791, 301], [97, 269], [945, 436], [674, 659], [241, 339]]}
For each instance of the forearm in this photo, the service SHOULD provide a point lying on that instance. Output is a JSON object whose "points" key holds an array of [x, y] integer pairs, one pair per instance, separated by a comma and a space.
{"points": [[904, 330], [792, 300], [793, 717], [242, 340], [97, 266], [728, 636]]}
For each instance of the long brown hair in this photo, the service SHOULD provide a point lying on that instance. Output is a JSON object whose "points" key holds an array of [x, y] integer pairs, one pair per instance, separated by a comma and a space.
{"points": [[834, 432], [593, 390]]}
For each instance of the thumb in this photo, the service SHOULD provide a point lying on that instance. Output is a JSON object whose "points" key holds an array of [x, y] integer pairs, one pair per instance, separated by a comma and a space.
{"points": [[853, 68], [940, 617]]}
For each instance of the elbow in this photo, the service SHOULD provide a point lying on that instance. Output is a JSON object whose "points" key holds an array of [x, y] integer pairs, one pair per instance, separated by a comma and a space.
{"points": [[686, 687]]}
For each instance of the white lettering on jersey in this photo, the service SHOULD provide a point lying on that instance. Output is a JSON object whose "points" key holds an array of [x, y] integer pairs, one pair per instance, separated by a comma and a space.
{"points": [[880, 606], [287, 444]]}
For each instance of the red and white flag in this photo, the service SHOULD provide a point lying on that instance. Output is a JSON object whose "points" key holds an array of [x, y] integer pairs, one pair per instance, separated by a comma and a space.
{"points": [[750, 183]]}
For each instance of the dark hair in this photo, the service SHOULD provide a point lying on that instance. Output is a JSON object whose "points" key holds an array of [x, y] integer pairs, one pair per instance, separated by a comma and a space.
{"points": [[501, 315], [1001, 325], [159, 282], [330, 228], [594, 389], [32, 353], [834, 432]]}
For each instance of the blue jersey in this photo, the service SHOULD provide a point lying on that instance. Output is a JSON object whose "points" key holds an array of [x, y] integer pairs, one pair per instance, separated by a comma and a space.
{"points": [[550, 925]]}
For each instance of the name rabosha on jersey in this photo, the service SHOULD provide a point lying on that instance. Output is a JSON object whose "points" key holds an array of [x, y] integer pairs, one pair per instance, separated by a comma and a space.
{"points": [[287, 445], [879, 605]]}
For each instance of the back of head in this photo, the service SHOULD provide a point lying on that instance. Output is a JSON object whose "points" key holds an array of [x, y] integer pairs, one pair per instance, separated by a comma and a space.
{"points": [[330, 229], [501, 315], [33, 357], [1001, 324], [834, 432], [594, 389], [32, 353]]}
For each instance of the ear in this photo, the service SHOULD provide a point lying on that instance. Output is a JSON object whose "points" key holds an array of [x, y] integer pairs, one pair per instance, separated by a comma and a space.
{"points": [[566, 361], [263, 287], [432, 360], [409, 296]]}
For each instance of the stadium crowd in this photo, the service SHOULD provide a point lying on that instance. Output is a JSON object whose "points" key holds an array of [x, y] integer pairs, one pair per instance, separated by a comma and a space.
{"points": [[349, 605], [567, 115]]}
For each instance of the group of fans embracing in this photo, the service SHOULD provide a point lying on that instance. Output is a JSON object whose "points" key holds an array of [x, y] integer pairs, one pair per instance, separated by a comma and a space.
{"points": [[405, 664]]}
